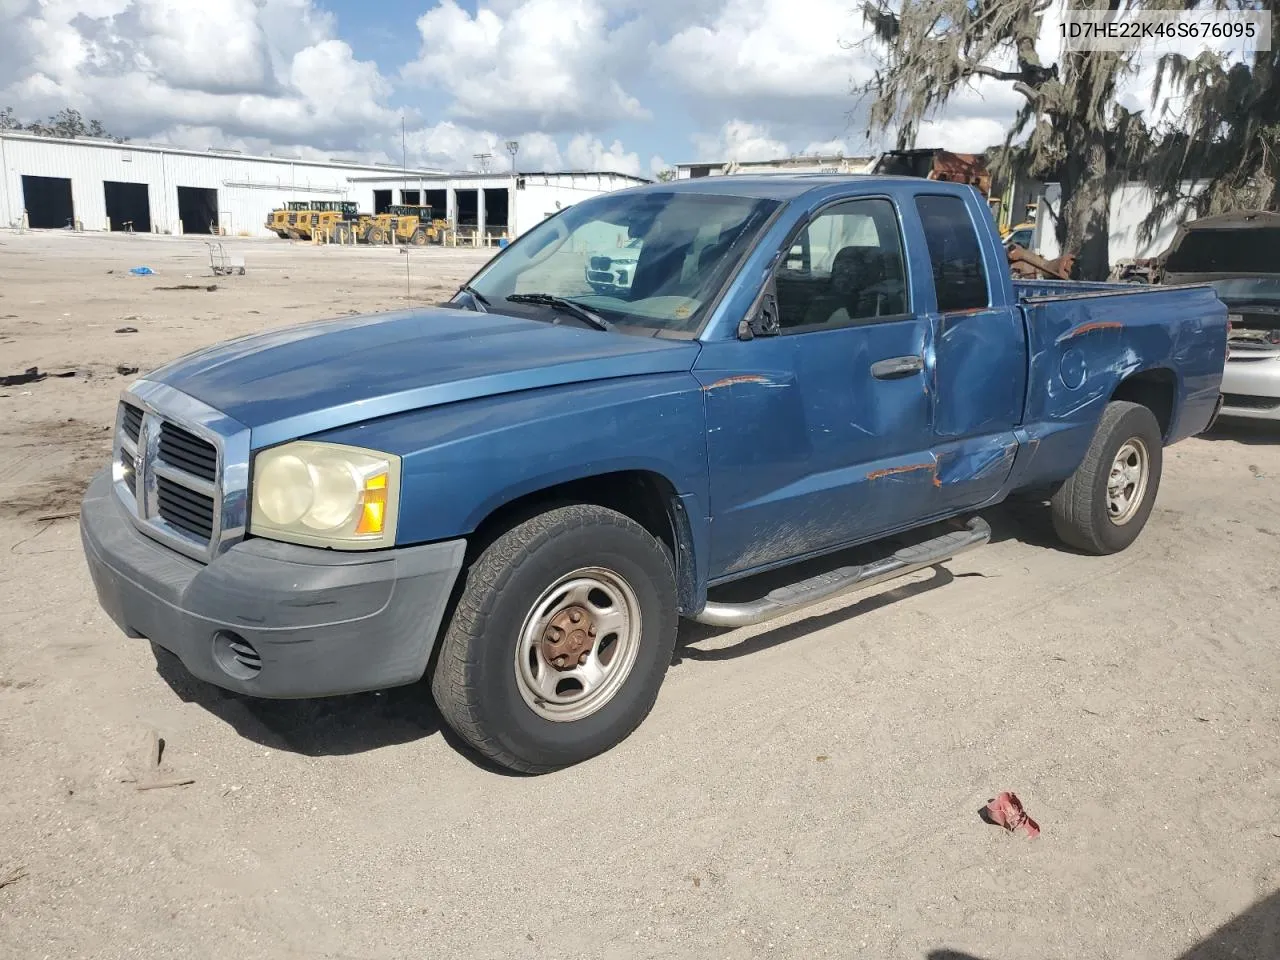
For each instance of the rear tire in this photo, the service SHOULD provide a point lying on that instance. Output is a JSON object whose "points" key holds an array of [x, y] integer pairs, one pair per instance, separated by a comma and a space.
{"points": [[493, 681], [1104, 505]]}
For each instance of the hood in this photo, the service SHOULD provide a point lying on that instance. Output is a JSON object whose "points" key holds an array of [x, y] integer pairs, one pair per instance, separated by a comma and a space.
{"points": [[300, 380]]}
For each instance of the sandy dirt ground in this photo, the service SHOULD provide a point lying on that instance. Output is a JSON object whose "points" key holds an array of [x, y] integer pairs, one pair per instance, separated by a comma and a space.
{"points": [[806, 788]]}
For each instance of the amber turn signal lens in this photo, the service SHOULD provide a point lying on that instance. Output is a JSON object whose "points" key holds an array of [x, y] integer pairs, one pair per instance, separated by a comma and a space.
{"points": [[373, 506]]}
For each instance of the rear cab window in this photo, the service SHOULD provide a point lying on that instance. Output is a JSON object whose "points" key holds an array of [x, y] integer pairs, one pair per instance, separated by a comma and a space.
{"points": [[959, 274]]}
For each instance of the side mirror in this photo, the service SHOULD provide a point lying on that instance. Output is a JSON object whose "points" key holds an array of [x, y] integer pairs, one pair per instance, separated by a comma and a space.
{"points": [[763, 321]]}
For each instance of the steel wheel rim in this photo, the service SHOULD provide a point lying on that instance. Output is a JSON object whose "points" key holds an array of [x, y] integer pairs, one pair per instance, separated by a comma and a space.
{"points": [[1127, 481], [573, 691]]}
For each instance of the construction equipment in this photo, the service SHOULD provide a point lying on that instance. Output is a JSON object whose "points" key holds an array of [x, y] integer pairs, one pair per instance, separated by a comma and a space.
{"points": [[404, 223], [221, 263], [282, 220], [327, 216]]}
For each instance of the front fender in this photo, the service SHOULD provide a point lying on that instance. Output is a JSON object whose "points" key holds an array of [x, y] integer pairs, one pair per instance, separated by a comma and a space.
{"points": [[462, 461]]}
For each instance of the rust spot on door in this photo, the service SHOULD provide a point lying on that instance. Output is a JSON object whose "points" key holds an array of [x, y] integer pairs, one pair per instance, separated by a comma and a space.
{"points": [[894, 471], [740, 378]]}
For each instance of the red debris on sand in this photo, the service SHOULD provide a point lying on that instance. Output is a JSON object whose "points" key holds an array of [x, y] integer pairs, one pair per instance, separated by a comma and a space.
{"points": [[1006, 811]]}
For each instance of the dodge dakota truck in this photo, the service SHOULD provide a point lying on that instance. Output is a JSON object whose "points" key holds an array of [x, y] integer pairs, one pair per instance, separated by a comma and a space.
{"points": [[516, 495]]}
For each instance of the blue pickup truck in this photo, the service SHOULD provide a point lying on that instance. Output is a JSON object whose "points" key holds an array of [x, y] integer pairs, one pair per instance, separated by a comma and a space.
{"points": [[519, 493]]}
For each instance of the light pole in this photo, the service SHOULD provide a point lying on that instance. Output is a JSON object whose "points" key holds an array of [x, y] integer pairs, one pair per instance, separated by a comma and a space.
{"points": [[513, 147]]}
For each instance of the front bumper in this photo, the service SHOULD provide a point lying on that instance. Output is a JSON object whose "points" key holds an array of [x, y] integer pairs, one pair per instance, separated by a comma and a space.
{"points": [[272, 619], [1252, 387]]}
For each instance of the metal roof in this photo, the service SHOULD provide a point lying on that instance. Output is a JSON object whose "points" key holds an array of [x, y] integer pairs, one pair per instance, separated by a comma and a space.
{"points": [[494, 175], [209, 153]]}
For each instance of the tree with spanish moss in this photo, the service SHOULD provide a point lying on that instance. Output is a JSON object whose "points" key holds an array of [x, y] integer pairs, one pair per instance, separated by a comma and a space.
{"points": [[1069, 127], [1217, 144]]}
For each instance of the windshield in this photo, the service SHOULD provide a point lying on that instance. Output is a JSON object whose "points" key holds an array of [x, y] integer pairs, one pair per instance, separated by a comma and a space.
{"points": [[649, 259]]}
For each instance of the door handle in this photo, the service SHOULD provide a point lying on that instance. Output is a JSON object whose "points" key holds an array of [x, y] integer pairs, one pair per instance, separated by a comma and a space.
{"points": [[896, 367]]}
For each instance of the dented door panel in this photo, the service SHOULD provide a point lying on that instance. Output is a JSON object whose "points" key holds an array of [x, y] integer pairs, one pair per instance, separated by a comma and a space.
{"points": [[807, 449]]}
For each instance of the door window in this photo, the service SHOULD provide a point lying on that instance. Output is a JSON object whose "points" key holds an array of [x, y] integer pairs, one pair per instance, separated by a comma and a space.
{"points": [[844, 267], [958, 274]]}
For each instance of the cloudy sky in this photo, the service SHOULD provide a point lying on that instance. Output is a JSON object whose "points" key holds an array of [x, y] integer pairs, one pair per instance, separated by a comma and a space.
{"points": [[628, 85]]}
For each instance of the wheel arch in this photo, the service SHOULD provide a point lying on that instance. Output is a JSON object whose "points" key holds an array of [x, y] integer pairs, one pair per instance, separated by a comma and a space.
{"points": [[1155, 388], [644, 495]]}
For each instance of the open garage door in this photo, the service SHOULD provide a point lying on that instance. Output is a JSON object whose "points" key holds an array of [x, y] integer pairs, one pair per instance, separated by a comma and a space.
{"points": [[497, 208], [197, 209], [438, 201], [47, 201], [128, 207]]}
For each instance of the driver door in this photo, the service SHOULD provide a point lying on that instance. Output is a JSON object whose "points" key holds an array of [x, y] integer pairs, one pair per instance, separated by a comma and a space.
{"points": [[822, 435]]}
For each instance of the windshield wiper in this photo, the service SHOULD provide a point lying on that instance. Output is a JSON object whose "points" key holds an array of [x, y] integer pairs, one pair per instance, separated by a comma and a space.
{"points": [[481, 300], [567, 306]]}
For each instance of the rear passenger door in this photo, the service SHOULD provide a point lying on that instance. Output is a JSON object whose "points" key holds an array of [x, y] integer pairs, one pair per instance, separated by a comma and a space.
{"points": [[821, 435], [980, 356]]}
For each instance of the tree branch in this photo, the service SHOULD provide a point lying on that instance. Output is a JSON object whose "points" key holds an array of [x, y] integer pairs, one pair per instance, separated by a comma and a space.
{"points": [[1028, 91], [985, 71]]}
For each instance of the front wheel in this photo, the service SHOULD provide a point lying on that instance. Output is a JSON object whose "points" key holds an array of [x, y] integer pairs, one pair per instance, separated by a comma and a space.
{"points": [[1104, 505], [560, 640]]}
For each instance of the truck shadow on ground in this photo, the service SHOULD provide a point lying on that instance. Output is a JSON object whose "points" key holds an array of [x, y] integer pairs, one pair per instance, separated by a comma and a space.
{"points": [[1026, 521], [1252, 432], [1251, 935], [338, 726]]}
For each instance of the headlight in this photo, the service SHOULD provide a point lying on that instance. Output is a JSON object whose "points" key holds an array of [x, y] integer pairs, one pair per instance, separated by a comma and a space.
{"points": [[326, 495]]}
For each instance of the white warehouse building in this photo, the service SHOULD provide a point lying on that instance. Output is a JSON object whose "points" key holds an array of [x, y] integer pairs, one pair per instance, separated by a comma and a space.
{"points": [[100, 185], [488, 204]]}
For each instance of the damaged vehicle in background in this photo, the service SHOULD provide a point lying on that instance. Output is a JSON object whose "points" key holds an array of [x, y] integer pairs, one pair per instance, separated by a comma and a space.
{"points": [[1238, 254]]}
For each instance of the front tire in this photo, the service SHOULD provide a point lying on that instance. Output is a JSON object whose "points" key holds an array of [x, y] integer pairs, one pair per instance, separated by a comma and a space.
{"points": [[1104, 505], [560, 640]]}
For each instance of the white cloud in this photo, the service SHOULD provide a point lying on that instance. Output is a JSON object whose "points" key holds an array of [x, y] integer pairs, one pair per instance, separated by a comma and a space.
{"points": [[770, 60], [739, 140], [586, 152], [551, 64], [455, 146], [268, 69]]}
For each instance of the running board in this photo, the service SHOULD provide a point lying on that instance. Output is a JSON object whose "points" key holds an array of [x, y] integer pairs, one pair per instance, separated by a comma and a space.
{"points": [[824, 586]]}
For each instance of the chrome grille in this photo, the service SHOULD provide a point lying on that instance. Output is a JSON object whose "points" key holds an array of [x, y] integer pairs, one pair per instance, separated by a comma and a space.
{"points": [[181, 470], [186, 509], [187, 452], [131, 421]]}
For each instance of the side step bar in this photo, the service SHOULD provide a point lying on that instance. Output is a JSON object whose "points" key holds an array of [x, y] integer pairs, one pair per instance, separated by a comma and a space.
{"points": [[824, 586]]}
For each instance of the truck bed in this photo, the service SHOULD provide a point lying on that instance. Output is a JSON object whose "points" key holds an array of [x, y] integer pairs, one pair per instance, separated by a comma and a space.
{"points": [[1085, 339], [1038, 290]]}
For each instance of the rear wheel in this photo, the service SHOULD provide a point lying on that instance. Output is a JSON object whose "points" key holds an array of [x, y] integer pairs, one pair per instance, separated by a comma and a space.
{"points": [[1104, 505], [419, 238], [560, 641], [376, 235]]}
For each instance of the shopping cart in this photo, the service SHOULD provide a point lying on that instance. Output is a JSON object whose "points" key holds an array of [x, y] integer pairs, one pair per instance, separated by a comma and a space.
{"points": [[221, 263]]}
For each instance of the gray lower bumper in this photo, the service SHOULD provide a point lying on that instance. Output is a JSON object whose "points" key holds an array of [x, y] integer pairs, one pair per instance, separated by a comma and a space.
{"points": [[315, 622], [1252, 387]]}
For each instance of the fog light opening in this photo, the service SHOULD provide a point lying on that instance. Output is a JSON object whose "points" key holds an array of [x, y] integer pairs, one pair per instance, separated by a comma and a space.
{"points": [[236, 656]]}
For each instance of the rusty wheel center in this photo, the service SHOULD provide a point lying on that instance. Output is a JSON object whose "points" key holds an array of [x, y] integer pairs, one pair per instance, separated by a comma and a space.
{"points": [[568, 638]]}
